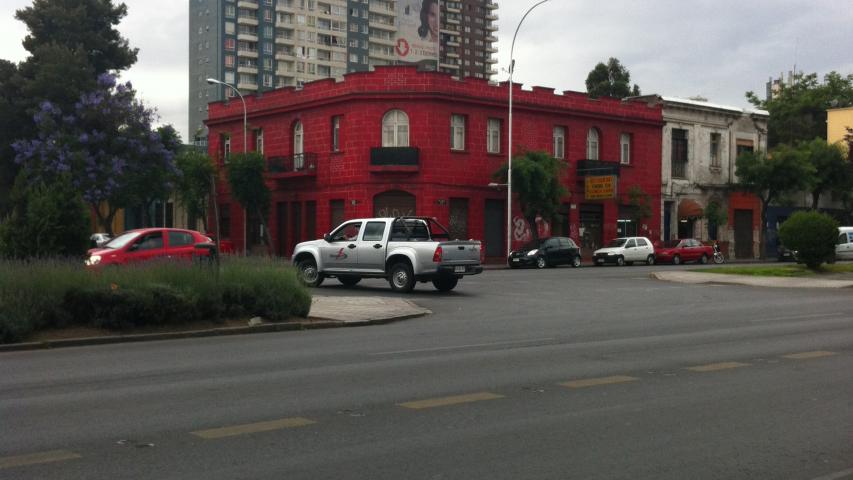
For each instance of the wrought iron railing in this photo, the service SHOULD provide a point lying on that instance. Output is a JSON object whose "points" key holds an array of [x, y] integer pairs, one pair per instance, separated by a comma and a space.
{"points": [[299, 162]]}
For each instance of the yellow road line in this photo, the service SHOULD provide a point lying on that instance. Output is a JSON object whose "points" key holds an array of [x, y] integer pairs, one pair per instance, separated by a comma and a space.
{"points": [[37, 458], [713, 367], [594, 382], [445, 401], [807, 355], [248, 428]]}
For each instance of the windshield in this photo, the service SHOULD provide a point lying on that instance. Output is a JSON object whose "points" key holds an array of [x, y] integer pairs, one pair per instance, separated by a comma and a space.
{"points": [[121, 240], [670, 243], [617, 242]]}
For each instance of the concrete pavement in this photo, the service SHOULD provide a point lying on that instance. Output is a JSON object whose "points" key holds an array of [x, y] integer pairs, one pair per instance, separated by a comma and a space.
{"points": [[682, 276]]}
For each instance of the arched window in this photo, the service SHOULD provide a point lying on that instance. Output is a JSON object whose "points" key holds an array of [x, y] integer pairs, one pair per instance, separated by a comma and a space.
{"points": [[592, 144], [298, 152], [395, 129]]}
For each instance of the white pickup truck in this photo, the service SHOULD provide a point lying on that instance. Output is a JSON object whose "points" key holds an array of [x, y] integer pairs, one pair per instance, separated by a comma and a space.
{"points": [[403, 250]]}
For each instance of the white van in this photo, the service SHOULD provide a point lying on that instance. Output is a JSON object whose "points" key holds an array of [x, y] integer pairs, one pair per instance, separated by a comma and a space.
{"points": [[844, 245]]}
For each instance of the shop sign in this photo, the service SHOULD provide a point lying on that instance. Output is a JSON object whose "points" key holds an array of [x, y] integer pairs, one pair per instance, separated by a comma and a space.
{"points": [[600, 187]]}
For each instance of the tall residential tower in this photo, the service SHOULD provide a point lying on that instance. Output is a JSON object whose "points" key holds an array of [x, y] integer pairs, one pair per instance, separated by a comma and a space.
{"points": [[259, 45]]}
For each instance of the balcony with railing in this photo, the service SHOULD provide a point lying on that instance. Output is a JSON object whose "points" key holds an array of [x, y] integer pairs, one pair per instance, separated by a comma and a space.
{"points": [[296, 165], [394, 160]]}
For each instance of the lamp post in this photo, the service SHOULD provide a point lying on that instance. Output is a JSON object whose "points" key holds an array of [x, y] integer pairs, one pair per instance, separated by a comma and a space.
{"points": [[509, 141], [213, 81]]}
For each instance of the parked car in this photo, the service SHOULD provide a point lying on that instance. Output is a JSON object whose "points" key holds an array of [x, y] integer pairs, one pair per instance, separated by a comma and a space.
{"points": [[844, 245], [147, 244], [99, 239], [683, 250], [403, 250], [546, 252], [784, 253], [626, 251]]}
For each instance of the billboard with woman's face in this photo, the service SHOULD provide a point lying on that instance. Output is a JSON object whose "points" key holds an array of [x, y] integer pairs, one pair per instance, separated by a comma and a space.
{"points": [[417, 30]]}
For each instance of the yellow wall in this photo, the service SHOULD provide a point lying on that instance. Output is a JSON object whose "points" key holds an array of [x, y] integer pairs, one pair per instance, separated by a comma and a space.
{"points": [[836, 120]]}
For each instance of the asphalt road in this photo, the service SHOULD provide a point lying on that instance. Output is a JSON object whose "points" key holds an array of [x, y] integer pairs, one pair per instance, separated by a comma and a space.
{"points": [[563, 373]]}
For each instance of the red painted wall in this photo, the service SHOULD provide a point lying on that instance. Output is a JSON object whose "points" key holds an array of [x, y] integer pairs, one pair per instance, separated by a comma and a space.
{"points": [[429, 99]]}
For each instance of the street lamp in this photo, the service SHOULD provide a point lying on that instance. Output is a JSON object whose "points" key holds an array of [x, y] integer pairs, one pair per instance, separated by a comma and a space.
{"points": [[213, 81], [509, 141]]}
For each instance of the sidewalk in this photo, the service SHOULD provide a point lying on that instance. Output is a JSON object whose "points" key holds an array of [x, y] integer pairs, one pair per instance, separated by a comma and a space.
{"points": [[750, 280], [326, 312]]}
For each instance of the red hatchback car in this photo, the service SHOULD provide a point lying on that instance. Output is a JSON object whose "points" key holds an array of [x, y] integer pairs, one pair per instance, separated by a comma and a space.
{"points": [[684, 250], [144, 244]]}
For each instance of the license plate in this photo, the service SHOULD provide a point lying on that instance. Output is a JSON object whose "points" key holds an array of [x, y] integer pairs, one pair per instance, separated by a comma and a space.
{"points": [[458, 269], [515, 260]]}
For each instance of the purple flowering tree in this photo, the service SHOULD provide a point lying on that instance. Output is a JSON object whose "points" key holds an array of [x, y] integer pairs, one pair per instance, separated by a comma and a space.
{"points": [[107, 146]]}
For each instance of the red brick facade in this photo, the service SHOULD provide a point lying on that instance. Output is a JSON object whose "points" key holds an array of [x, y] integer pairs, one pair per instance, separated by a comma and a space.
{"points": [[441, 182]]}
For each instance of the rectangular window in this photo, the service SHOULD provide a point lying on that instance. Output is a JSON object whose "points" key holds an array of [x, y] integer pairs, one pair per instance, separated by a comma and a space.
{"points": [[230, 44], [559, 142], [493, 136], [625, 149], [229, 61], [457, 132], [336, 134], [226, 147], [679, 153], [259, 141], [715, 149]]}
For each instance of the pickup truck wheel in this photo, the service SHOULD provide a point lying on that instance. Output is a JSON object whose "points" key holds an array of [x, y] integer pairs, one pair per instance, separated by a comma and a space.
{"points": [[308, 273], [402, 278], [349, 280], [445, 283]]}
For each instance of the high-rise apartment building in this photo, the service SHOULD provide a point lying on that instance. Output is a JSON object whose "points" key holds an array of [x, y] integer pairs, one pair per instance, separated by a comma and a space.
{"points": [[259, 45]]}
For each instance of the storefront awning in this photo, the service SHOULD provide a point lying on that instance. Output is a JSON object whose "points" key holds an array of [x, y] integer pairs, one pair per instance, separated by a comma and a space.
{"points": [[689, 209]]}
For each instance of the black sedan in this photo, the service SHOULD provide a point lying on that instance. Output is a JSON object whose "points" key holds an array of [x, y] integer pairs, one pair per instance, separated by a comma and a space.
{"points": [[546, 252]]}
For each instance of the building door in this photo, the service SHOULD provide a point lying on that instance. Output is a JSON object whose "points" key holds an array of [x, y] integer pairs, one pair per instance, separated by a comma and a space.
{"points": [[743, 234], [458, 218], [336, 214], [494, 225], [590, 231], [394, 203], [667, 220], [311, 220], [281, 229], [295, 224]]}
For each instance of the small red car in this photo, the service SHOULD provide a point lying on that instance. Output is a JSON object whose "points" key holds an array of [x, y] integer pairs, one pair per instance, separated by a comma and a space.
{"points": [[684, 250], [145, 244]]}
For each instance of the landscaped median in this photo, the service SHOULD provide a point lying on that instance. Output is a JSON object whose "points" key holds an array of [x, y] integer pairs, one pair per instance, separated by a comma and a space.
{"points": [[36, 295], [785, 276], [791, 270]]}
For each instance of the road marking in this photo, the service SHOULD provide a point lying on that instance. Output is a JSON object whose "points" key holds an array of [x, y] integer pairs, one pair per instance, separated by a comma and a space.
{"points": [[248, 428], [713, 367], [446, 401], [594, 382], [808, 355], [836, 475], [798, 317], [37, 458], [473, 345]]}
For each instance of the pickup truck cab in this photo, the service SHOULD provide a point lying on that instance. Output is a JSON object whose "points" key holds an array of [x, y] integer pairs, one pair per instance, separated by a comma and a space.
{"points": [[402, 250]]}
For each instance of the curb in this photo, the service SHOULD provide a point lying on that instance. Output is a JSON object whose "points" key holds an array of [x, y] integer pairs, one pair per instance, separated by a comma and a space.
{"points": [[321, 323], [760, 282]]}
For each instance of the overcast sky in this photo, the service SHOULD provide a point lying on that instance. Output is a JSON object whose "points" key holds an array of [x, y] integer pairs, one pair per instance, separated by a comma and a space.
{"points": [[718, 49]]}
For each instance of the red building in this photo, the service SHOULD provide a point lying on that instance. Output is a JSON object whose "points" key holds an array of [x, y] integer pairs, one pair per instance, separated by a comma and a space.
{"points": [[397, 141]]}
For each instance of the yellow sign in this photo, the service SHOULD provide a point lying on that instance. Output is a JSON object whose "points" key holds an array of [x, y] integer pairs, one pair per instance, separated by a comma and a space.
{"points": [[600, 188]]}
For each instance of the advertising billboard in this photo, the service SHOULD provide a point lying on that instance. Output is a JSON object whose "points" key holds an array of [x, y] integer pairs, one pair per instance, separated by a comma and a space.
{"points": [[600, 187], [417, 31]]}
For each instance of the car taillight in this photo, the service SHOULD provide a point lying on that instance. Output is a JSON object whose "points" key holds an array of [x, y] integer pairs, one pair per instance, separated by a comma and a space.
{"points": [[436, 257]]}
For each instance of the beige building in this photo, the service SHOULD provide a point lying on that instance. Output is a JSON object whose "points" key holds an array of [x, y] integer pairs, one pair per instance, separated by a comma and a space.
{"points": [[838, 120]]}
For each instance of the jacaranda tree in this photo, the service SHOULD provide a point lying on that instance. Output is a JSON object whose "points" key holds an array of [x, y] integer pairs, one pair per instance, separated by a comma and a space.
{"points": [[107, 147]]}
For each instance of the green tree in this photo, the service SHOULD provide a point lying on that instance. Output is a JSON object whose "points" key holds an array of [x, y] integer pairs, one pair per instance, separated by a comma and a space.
{"points": [[610, 80], [812, 235], [832, 170], [640, 204], [798, 111], [246, 178], [12, 116], [786, 169], [194, 182], [536, 181], [47, 220], [715, 214]]}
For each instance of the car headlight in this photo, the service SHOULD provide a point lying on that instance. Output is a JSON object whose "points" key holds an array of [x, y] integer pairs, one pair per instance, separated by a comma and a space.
{"points": [[93, 260], [532, 252], [611, 253]]}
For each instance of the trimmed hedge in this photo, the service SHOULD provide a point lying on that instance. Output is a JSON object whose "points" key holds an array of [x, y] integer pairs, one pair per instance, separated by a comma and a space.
{"points": [[812, 235], [38, 294]]}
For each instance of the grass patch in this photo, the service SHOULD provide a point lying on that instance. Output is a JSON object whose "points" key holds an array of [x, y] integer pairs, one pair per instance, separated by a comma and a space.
{"points": [[46, 294], [792, 270]]}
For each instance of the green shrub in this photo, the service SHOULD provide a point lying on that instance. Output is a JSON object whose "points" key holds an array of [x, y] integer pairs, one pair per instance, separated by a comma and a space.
{"points": [[37, 294], [812, 235]]}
